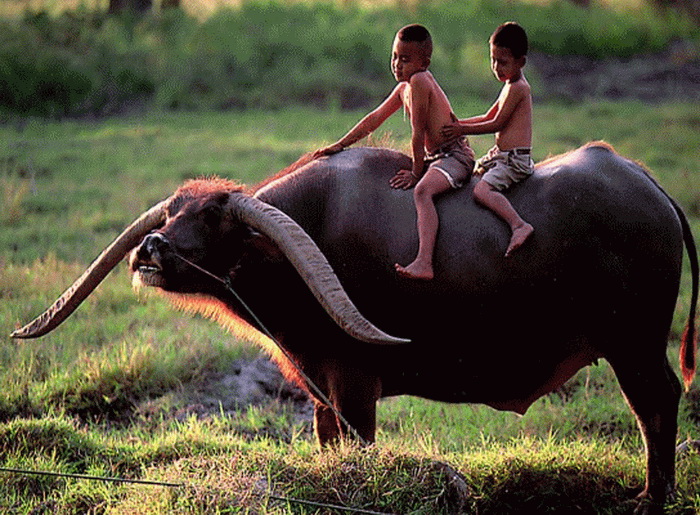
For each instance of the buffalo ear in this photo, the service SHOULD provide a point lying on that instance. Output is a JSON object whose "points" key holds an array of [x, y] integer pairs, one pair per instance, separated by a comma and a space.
{"points": [[260, 246]]}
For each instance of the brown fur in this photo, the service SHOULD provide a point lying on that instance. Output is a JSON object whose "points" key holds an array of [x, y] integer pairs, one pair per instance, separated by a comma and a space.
{"points": [[689, 347], [386, 140], [207, 185], [296, 165]]}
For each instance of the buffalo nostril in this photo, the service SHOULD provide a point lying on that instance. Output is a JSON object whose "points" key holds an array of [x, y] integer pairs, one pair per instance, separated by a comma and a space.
{"points": [[154, 242]]}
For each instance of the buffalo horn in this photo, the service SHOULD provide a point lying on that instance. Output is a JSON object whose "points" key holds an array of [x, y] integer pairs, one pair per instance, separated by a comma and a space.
{"points": [[311, 265], [96, 272]]}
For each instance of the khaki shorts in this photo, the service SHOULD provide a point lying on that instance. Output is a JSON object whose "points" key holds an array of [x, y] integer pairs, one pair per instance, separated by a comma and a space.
{"points": [[503, 169], [455, 161]]}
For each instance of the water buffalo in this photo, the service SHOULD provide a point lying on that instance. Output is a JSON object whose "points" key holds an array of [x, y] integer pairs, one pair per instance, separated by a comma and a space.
{"points": [[598, 279]]}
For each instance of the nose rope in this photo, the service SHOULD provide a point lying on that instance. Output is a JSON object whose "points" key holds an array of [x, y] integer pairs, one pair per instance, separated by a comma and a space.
{"points": [[226, 282]]}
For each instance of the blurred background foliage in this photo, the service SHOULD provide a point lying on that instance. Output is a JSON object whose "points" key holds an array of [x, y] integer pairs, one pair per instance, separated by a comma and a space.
{"points": [[100, 57]]}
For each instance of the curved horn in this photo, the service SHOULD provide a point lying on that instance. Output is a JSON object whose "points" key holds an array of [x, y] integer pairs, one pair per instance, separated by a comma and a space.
{"points": [[311, 264], [98, 270]]}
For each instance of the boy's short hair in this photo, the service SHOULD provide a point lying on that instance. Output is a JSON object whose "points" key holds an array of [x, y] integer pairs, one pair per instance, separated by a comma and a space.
{"points": [[512, 36], [417, 34]]}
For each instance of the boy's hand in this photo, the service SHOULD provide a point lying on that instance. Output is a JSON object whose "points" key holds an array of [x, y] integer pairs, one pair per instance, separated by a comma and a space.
{"points": [[451, 131], [403, 180], [327, 151]]}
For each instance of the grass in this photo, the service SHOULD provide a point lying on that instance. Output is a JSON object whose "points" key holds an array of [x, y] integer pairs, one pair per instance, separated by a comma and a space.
{"points": [[73, 401], [222, 472]]}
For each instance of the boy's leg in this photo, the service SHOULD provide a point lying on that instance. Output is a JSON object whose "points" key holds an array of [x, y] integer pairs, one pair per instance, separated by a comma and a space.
{"points": [[491, 198], [430, 185]]}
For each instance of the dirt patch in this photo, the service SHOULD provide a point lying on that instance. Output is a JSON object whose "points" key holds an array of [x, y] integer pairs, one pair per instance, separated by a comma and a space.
{"points": [[247, 383], [256, 382], [673, 74]]}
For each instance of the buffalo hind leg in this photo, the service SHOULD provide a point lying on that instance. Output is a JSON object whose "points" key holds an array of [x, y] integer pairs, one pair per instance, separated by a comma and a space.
{"points": [[653, 392]]}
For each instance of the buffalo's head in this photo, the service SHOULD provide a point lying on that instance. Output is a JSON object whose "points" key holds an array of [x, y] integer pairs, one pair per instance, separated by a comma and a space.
{"points": [[202, 227], [199, 240]]}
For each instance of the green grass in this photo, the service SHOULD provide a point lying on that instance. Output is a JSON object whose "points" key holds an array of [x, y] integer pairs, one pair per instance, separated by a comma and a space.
{"points": [[73, 401], [222, 472]]}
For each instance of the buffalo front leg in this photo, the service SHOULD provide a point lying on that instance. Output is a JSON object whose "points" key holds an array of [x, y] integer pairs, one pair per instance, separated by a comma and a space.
{"points": [[360, 415], [356, 402], [326, 425], [653, 393], [329, 428]]}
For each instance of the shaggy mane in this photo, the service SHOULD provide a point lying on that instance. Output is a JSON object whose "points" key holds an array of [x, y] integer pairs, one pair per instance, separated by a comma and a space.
{"points": [[202, 186], [299, 163], [207, 185]]}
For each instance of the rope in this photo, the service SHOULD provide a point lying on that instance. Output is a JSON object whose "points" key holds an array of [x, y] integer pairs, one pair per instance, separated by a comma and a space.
{"points": [[181, 485], [90, 478], [227, 284]]}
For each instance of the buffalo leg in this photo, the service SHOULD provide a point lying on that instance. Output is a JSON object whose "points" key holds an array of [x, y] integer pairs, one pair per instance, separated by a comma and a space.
{"points": [[326, 425], [355, 397], [361, 414], [329, 429], [653, 392]]}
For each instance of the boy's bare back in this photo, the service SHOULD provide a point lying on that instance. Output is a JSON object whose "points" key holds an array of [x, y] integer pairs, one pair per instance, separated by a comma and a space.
{"points": [[428, 108]]}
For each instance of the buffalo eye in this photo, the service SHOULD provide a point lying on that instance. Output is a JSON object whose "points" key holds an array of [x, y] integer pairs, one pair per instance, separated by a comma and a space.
{"points": [[211, 215]]}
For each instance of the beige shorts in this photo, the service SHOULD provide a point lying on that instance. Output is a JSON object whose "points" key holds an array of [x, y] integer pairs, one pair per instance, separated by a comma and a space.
{"points": [[455, 161], [502, 169]]}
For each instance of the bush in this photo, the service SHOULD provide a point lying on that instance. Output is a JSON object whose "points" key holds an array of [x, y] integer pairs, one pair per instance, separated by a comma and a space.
{"points": [[273, 53], [69, 66]]}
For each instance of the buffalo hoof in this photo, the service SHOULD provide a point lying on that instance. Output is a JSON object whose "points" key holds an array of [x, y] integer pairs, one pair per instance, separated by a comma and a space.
{"points": [[645, 505], [648, 507]]}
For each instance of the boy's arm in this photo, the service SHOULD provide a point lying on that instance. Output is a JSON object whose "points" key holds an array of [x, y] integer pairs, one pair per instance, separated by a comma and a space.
{"points": [[455, 129], [489, 115], [367, 125], [504, 110]]}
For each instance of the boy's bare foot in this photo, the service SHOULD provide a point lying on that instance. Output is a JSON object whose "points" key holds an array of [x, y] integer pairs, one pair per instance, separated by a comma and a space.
{"points": [[520, 234], [415, 271]]}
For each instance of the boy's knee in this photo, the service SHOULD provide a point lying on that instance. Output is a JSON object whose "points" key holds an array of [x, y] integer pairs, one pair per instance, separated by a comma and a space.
{"points": [[482, 189], [422, 192], [427, 188]]}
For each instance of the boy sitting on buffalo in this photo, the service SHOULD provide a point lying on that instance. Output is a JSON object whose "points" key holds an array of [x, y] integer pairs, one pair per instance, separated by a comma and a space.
{"points": [[440, 162], [510, 118]]}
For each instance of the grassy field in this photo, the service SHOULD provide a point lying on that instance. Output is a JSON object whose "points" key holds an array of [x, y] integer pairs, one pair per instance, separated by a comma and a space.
{"points": [[69, 401]]}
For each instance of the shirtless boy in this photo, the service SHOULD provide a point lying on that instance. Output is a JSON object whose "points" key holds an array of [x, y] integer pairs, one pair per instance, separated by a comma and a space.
{"points": [[440, 163], [510, 118]]}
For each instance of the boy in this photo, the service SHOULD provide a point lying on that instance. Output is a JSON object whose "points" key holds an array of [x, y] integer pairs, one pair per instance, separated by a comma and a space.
{"points": [[510, 118], [449, 160]]}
